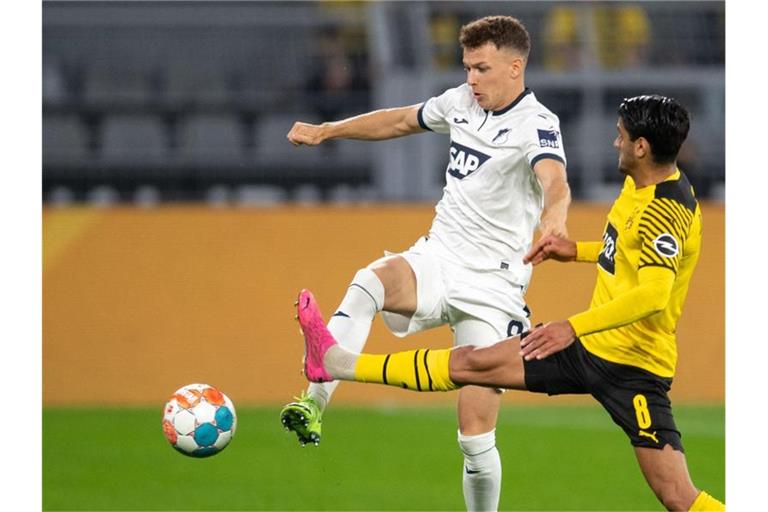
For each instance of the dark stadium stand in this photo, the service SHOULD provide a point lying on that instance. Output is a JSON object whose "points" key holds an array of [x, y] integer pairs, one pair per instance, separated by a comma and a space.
{"points": [[185, 96]]}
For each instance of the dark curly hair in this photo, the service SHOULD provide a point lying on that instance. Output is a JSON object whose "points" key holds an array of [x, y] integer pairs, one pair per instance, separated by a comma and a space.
{"points": [[660, 120], [503, 31]]}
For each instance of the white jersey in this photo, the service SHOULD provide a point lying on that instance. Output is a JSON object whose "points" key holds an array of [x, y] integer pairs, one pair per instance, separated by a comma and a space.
{"points": [[492, 200]]}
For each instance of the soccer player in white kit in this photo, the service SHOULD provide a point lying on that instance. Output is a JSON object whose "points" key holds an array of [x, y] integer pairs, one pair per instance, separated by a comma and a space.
{"points": [[505, 177]]}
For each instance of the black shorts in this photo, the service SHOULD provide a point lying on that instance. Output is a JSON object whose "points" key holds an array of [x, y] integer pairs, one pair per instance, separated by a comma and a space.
{"points": [[636, 399]]}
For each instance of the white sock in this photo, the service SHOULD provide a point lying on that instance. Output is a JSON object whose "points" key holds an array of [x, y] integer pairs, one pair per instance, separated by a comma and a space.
{"points": [[340, 363], [351, 323], [482, 471]]}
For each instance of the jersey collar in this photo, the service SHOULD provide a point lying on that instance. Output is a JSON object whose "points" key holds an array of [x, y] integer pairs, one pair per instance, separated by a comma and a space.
{"points": [[512, 105], [650, 189], [674, 176]]}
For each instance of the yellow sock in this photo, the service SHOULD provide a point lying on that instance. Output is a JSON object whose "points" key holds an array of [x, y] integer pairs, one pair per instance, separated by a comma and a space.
{"points": [[419, 370], [706, 503]]}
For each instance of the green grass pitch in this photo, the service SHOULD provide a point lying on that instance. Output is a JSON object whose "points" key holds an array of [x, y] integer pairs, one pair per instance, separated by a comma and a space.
{"points": [[554, 458]]}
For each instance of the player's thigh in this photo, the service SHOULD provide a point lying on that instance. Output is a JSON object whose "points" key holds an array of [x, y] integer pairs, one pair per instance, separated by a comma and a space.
{"points": [[486, 325], [399, 281], [637, 401], [422, 304]]}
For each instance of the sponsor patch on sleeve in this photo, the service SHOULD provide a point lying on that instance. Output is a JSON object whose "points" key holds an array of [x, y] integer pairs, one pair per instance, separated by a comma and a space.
{"points": [[666, 245], [548, 139]]}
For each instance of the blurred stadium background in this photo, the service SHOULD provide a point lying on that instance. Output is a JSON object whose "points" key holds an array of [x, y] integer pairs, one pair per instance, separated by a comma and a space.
{"points": [[178, 224], [148, 102]]}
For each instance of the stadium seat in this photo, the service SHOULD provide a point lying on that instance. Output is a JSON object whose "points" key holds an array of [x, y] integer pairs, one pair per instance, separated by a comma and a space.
{"points": [[354, 152], [259, 195], [703, 159], [307, 194], [103, 196], [54, 85], [270, 137], [604, 136], [211, 137], [188, 84], [60, 196], [705, 142], [65, 139], [113, 85], [134, 139]]}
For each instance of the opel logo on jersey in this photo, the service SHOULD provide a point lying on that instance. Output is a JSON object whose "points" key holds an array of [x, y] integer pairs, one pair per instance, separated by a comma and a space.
{"points": [[666, 245], [464, 160]]}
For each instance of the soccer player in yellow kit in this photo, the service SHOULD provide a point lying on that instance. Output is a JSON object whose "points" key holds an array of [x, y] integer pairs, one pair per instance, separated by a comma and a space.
{"points": [[622, 350]]}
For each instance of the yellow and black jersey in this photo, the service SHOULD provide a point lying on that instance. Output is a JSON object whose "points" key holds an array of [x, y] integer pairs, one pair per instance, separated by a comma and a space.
{"points": [[645, 261]]}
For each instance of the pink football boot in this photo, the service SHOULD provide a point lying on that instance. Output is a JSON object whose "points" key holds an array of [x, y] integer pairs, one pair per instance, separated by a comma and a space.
{"points": [[317, 338]]}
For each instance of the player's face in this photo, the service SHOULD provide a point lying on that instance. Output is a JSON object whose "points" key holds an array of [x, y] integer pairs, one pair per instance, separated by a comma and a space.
{"points": [[491, 73], [626, 148]]}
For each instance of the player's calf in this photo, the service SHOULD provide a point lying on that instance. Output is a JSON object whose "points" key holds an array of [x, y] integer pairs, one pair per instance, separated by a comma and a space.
{"points": [[675, 496]]}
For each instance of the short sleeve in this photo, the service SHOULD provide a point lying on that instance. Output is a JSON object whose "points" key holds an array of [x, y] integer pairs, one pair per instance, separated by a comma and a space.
{"points": [[433, 113], [663, 229], [542, 139]]}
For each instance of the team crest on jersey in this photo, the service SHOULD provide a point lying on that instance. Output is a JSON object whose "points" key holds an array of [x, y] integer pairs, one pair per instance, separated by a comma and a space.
{"points": [[548, 139], [631, 218], [666, 245], [463, 160], [502, 136]]}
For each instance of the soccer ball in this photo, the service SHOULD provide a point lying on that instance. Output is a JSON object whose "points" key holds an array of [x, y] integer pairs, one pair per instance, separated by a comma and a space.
{"points": [[199, 420]]}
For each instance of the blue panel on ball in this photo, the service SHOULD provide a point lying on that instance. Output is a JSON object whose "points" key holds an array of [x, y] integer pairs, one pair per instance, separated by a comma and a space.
{"points": [[206, 434], [224, 418], [205, 452]]}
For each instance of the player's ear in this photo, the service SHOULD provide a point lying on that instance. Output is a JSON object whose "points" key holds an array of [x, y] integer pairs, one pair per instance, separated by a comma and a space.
{"points": [[516, 67], [642, 148]]}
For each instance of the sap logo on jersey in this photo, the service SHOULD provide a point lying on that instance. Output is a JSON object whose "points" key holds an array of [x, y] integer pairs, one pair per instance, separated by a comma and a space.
{"points": [[463, 160], [548, 139]]}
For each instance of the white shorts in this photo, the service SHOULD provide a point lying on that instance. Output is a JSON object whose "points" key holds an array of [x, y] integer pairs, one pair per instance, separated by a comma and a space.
{"points": [[482, 307]]}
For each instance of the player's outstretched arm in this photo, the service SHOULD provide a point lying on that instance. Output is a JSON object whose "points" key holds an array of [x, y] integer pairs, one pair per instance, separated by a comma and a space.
{"points": [[563, 249], [551, 247], [650, 296], [377, 125], [557, 197]]}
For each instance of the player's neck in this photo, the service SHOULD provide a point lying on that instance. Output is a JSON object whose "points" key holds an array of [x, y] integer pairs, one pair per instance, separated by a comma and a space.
{"points": [[648, 175], [515, 91]]}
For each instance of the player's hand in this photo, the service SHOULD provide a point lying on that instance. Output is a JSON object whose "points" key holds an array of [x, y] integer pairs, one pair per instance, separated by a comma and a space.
{"points": [[306, 134], [544, 341], [551, 247]]}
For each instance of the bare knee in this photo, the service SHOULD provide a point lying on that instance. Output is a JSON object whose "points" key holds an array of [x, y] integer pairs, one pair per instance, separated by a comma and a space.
{"points": [[497, 366], [464, 359], [463, 364], [399, 281]]}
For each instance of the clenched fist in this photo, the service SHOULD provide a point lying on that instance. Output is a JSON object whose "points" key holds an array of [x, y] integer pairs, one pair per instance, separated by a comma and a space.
{"points": [[307, 134]]}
